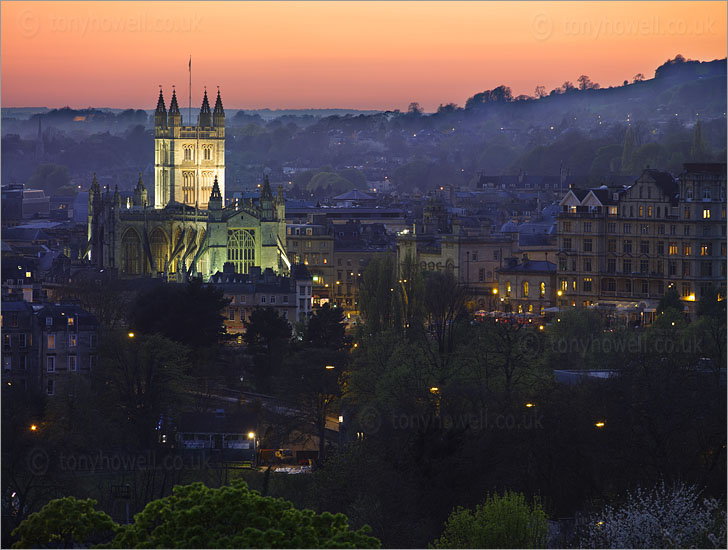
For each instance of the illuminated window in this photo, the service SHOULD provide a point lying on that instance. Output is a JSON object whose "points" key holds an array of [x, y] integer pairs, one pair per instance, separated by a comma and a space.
{"points": [[649, 211], [71, 340], [51, 341], [241, 249], [705, 249], [564, 285], [587, 284], [642, 211], [687, 249], [508, 288], [612, 210], [542, 289], [706, 213], [672, 249], [525, 289]]}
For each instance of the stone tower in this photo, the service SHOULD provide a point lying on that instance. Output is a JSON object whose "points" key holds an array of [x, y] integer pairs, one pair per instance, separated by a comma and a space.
{"points": [[188, 158]]}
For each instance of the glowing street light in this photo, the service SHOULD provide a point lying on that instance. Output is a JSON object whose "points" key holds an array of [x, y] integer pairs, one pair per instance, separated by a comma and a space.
{"points": [[330, 367], [131, 335], [530, 405], [33, 428], [251, 435], [600, 424]]}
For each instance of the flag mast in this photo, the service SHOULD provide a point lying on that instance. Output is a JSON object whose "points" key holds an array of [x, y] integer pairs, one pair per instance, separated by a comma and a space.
{"points": [[189, 109]]}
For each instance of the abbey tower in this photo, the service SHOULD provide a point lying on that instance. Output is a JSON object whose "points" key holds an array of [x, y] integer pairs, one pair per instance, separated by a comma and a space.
{"points": [[188, 159]]}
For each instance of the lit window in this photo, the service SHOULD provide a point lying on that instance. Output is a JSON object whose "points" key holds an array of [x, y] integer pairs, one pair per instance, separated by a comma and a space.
{"points": [[508, 288], [706, 213], [525, 289], [51, 341], [542, 290], [71, 340], [70, 321]]}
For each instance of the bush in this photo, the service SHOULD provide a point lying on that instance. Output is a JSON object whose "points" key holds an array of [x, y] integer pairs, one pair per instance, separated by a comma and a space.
{"points": [[500, 522]]}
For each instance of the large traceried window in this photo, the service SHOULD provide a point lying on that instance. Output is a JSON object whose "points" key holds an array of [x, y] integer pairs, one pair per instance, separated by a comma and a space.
{"points": [[160, 250], [188, 187], [241, 249], [131, 253]]}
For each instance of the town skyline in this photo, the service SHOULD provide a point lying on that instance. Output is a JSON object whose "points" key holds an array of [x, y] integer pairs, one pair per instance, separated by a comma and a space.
{"points": [[315, 55]]}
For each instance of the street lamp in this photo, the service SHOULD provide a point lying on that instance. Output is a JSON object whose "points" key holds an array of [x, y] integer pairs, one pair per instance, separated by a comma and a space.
{"points": [[131, 335], [330, 367], [600, 424], [33, 428], [251, 435]]}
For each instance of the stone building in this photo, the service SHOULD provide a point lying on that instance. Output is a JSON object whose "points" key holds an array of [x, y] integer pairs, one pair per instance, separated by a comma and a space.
{"points": [[622, 248], [189, 231]]}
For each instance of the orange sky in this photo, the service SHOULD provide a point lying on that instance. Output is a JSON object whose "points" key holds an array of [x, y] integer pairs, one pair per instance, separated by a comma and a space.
{"points": [[365, 55]]}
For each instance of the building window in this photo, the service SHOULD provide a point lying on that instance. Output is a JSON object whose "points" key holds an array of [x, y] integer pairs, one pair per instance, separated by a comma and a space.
{"points": [[661, 229], [612, 210], [567, 227], [659, 267], [508, 288], [644, 266], [51, 387], [627, 266], [661, 248], [641, 210], [587, 227], [687, 249], [72, 364], [686, 212], [241, 249], [627, 247], [562, 264], [525, 289], [644, 247], [285, 299], [49, 321], [72, 340], [587, 245], [262, 299], [272, 299], [567, 244], [644, 229], [231, 314], [671, 268], [51, 341], [627, 228], [587, 264], [587, 284], [7, 362], [611, 265], [706, 249], [686, 269], [495, 252], [542, 290], [673, 230], [612, 245], [70, 321], [649, 211], [51, 363], [686, 230], [706, 213], [611, 227], [706, 269], [686, 290], [481, 275], [672, 249], [610, 285], [564, 285], [645, 287]]}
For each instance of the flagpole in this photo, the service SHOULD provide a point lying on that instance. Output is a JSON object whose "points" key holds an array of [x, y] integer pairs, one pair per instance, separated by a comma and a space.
{"points": [[189, 109]]}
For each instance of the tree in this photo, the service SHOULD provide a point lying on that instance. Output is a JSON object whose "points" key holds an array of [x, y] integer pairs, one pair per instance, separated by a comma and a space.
{"points": [[507, 521], [661, 517], [414, 109], [540, 92], [267, 336], [65, 523], [141, 378], [50, 178], [670, 300], [189, 314], [628, 150], [585, 83], [326, 328], [639, 77], [699, 150]]}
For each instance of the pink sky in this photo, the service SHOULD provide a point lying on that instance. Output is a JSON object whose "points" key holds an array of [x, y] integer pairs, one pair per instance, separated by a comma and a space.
{"points": [[364, 55]]}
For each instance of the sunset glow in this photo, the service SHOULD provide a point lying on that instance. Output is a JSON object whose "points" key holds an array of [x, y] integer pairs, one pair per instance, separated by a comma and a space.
{"points": [[364, 55]]}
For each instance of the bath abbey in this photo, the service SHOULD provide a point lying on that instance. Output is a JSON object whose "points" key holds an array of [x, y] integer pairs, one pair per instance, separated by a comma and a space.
{"points": [[188, 231]]}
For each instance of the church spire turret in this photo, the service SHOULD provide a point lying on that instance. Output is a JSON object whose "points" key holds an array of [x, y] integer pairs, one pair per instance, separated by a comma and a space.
{"points": [[175, 117], [160, 114], [215, 201], [205, 115], [266, 200], [140, 193], [219, 114]]}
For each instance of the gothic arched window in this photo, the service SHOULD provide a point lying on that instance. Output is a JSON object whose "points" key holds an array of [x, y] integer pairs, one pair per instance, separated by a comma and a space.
{"points": [[241, 249], [160, 250], [131, 253]]}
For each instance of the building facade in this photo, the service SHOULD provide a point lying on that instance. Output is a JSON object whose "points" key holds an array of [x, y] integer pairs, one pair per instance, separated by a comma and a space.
{"points": [[183, 235], [622, 248], [188, 158]]}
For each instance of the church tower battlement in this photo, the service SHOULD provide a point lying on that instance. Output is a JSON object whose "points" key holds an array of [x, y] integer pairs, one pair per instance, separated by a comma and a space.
{"points": [[188, 158]]}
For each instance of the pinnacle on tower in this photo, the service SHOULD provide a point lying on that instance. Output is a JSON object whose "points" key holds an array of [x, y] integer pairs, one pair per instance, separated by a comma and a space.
{"points": [[265, 191], [160, 103], [219, 115], [218, 104], [215, 194], [205, 117], [173, 107], [140, 184]]}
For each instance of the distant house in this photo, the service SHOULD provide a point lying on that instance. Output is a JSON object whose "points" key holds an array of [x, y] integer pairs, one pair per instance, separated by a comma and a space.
{"points": [[228, 437]]}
